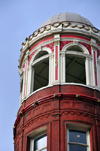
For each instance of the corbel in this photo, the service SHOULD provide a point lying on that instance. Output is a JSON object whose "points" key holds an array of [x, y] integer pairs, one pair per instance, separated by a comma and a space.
{"points": [[99, 100], [20, 71], [76, 42], [14, 127], [36, 103], [20, 113], [23, 43], [56, 42], [55, 95], [14, 142], [93, 44], [77, 95]]}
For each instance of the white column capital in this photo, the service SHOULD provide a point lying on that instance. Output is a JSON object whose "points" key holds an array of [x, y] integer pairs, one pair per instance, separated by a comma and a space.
{"points": [[56, 39], [93, 44]]}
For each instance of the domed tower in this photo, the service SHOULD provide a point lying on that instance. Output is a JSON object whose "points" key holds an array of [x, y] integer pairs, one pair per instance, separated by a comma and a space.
{"points": [[59, 69]]}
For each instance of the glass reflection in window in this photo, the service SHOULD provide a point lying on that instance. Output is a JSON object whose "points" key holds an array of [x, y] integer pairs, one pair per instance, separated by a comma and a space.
{"points": [[40, 143], [77, 141]]}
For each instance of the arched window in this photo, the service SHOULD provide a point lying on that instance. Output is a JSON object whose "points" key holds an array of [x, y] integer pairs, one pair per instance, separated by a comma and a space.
{"points": [[40, 71], [75, 65], [40, 54]]}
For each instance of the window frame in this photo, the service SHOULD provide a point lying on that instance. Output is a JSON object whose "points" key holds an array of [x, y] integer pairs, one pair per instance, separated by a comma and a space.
{"points": [[78, 127], [21, 89], [79, 55], [34, 135], [98, 71], [88, 62], [38, 61], [32, 140]]}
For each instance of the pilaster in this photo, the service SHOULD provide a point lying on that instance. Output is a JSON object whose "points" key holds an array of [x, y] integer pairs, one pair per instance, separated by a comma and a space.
{"points": [[51, 69], [25, 73], [56, 58], [62, 67], [94, 62]]}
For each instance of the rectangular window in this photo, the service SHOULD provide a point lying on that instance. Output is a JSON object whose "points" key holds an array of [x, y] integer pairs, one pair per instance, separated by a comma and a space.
{"points": [[78, 137], [40, 143], [77, 140], [38, 139]]}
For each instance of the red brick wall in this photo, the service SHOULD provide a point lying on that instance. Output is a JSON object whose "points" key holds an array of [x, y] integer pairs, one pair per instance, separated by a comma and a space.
{"points": [[55, 113]]}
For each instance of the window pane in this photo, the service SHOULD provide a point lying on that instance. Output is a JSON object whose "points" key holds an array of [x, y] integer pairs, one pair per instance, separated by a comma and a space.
{"points": [[44, 149], [77, 136], [41, 74], [75, 69], [40, 142], [77, 148], [40, 54]]}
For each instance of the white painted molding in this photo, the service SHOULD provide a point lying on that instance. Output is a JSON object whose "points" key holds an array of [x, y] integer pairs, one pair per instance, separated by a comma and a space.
{"points": [[83, 48], [42, 49]]}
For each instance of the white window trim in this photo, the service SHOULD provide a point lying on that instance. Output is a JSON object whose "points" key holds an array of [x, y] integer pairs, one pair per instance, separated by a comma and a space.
{"points": [[88, 64], [77, 54], [22, 90], [40, 59], [84, 53], [98, 72], [35, 134], [32, 142], [80, 127], [33, 69]]}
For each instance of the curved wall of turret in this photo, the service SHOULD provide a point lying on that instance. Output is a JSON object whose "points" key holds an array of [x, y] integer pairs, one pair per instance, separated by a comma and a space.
{"points": [[59, 67]]}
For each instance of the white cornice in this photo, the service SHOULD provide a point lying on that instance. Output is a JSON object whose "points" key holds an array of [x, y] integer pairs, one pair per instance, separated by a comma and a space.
{"points": [[62, 27], [58, 28]]}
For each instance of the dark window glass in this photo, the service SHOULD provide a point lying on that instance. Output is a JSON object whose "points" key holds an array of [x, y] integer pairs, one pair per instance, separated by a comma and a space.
{"points": [[40, 54], [77, 148], [77, 137], [74, 48], [41, 74], [75, 69], [40, 142]]}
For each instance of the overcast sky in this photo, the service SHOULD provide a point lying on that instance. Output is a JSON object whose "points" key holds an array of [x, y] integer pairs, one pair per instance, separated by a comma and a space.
{"points": [[18, 19]]}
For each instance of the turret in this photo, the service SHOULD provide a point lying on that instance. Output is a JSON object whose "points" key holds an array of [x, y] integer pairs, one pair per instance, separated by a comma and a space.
{"points": [[59, 69]]}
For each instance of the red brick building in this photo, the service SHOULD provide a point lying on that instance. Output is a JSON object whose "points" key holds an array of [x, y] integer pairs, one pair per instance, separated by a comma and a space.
{"points": [[59, 67]]}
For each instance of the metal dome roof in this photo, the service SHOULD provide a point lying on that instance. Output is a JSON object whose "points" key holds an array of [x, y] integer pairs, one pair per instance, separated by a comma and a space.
{"points": [[67, 17]]}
